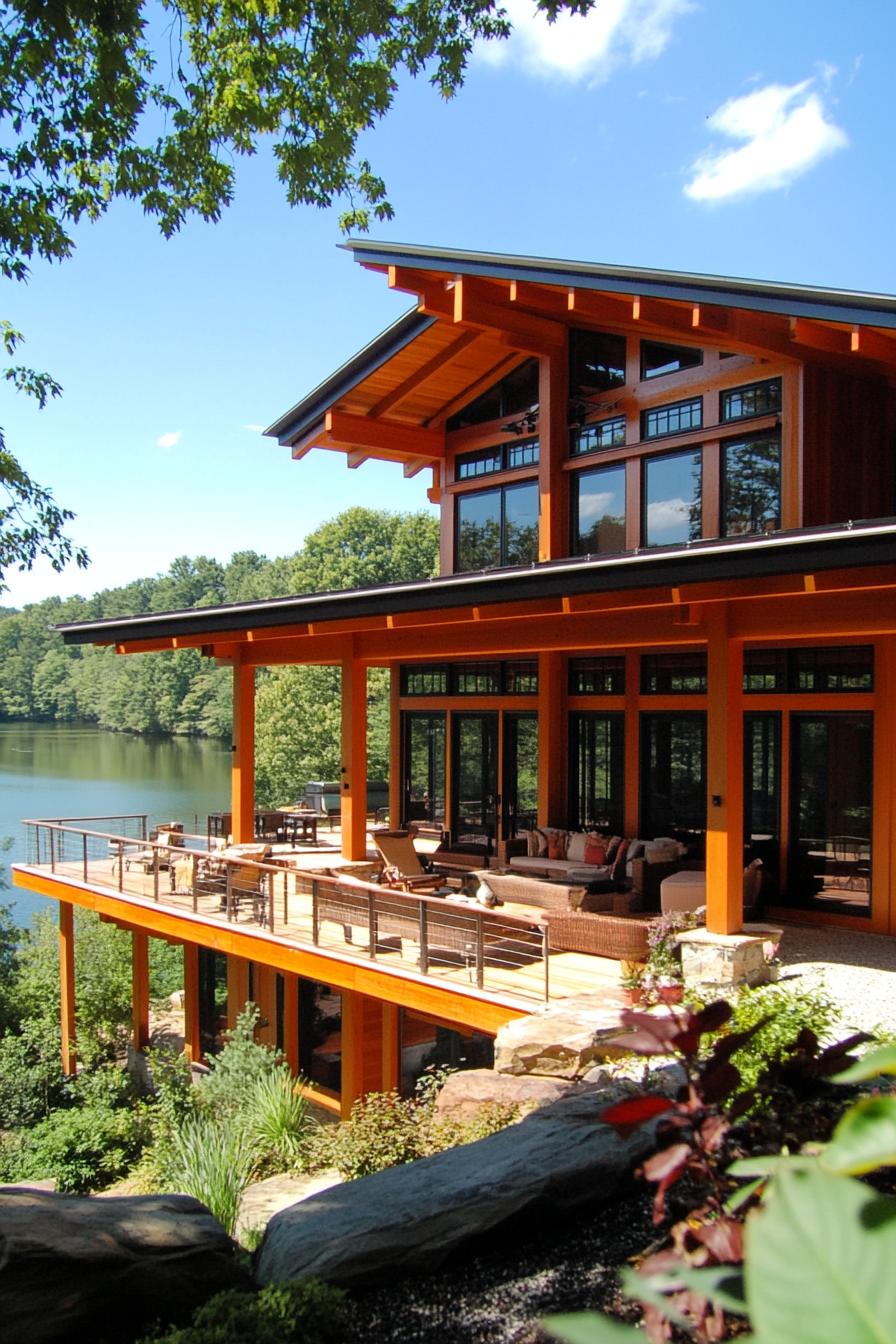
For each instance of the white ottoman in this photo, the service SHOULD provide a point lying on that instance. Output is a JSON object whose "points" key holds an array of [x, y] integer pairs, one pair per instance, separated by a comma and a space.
{"points": [[683, 891]]}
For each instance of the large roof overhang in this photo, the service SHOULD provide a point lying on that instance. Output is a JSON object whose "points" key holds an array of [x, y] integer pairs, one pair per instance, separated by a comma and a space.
{"points": [[749, 562], [479, 314]]}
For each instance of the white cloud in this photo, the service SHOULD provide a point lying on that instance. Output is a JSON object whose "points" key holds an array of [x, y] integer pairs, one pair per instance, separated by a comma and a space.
{"points": [[786, 130], [169, 440], [254, 429], [593, 507], [592, 45], [664, 515]]}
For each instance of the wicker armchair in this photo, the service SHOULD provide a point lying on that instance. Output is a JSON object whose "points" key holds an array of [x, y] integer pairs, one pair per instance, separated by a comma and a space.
{"points": [[619, 936]]}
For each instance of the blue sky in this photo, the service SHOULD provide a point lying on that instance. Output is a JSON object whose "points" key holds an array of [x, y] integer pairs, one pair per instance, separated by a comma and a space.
{"points": [[742, 139]]}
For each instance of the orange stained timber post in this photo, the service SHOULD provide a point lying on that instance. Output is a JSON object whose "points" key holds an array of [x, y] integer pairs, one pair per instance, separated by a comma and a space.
{"points": [[394, 746], [237, 987], [192, 1044], [242, 778], [551, 740], [67, 984], [553, 451], [352, 1051], [140, 989], [265, 978], [724, 778], [291, 1022], [353, 782]]}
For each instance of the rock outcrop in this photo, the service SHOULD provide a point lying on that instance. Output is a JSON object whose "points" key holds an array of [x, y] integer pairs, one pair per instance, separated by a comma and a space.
{"points": [[410, 1218], [79, 1268], [562, 1040]]}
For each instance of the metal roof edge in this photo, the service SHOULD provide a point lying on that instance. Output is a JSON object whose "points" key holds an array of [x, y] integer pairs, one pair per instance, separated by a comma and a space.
{"points": [[822, 303], [849, 544], [301, 417]]}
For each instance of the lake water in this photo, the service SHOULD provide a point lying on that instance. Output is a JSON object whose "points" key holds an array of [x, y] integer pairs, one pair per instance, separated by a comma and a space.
{"points": [[65, 770]]}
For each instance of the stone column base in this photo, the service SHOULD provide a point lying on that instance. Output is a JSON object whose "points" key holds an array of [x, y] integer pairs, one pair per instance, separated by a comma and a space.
{"points": [[727, 959]]}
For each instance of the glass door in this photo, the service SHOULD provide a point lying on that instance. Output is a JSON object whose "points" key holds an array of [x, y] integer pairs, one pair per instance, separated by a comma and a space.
{"points": [[830, 812], [423, 772], [762, 796], [475, 800], [519, 783]]}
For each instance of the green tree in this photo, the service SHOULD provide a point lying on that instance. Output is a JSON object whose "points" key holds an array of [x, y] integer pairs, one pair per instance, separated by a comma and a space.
{"points": [[362, 546], [95, 105]]}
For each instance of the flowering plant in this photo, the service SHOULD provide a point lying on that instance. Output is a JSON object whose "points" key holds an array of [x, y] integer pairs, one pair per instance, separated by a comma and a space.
{"points": [[663, 966]]}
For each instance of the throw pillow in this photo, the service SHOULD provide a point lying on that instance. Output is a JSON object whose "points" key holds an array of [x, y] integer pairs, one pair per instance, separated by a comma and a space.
{"points": [[612, 846], [575, 850], [542, 850], [557, 843], [531, 839], [618, 872], [595, 850]]}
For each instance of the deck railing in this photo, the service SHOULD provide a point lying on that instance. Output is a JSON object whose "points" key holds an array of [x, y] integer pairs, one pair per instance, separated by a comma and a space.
{"points": [[423, 934]]}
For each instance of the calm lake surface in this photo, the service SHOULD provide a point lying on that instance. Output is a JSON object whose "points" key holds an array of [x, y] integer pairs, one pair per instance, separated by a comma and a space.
{"points": [[65, 770]]}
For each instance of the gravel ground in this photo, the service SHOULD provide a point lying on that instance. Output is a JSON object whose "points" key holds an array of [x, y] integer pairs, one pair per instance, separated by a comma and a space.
{"points": [[857, 969]]}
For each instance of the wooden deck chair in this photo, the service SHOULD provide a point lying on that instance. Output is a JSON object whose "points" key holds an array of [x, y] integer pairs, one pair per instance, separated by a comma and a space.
{"points": [[401, 862]]}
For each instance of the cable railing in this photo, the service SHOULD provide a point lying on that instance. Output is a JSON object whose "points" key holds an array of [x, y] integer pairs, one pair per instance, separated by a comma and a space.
{"points": [[443, 936]]}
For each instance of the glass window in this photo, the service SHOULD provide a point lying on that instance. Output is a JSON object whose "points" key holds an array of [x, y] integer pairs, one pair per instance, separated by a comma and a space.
{"points": [[596, 766], [675, 419], [521, 678], [425, 1046], [755, 399], [673, 674], [518, 391], [751, 486], [602, 435], [597, 676], [476, 678], [673, 498], [596, 361], [657, 359], [502, 457], [673, 773], [424, 679], [320, 1034], [812, 670], [520, 538], [599, 511], [423, 773]]}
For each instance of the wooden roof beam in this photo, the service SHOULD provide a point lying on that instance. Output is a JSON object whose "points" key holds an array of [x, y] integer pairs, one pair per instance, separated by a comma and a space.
{"points": [[598, 308], [433, 298], [343, 430], [530, 335], [873, 345], [821, 335], [539, 299]]}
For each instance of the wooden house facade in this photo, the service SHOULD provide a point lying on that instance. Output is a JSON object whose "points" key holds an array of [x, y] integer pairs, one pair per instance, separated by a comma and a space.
{"points": [[666, 602]]}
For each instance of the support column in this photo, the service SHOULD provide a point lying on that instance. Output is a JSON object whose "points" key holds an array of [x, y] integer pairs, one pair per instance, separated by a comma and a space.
{"points": [[394, 746], [237, 987], [391, 1060], [192, 1043], [553, 452], [291, 1022], [354, 759], [265, 979], [140, 989], [724, 777], [362, 1048], [552, 738], [242, 778], [67, 985]]}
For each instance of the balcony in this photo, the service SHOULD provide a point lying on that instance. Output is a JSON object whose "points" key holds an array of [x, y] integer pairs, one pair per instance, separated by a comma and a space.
{"points": [[310, 902]]}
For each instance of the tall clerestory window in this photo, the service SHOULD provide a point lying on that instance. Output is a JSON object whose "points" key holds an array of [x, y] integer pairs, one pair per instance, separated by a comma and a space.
{"points": [[497, 527]]}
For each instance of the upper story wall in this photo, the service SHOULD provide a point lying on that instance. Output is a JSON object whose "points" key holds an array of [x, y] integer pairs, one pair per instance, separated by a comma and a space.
{"points": [[655, 442]]}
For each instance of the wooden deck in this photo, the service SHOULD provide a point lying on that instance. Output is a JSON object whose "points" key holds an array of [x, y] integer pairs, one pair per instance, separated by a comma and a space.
{"points": [[513, 965]]}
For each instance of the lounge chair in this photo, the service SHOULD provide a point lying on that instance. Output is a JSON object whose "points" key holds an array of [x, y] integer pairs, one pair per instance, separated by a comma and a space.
{"points": [[401, 862]]}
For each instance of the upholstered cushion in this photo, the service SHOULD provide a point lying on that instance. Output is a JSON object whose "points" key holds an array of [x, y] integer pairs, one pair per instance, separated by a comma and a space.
{"points": [[618, 872], [542, 843], [595, 850], [575, 849], [532, 840], [612, 845], [661, 851]]}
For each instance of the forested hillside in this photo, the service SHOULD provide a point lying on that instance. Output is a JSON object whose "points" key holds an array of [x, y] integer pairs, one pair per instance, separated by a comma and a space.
{"points": [[184, 693]]}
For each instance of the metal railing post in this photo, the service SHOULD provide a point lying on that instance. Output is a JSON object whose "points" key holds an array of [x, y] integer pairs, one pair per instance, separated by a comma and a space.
{"points": [[546, 954], [315, 917], [84, 856], [155, 875], [52, 850], [268, 880], [424, 939], [480, 952], [371, 926]]}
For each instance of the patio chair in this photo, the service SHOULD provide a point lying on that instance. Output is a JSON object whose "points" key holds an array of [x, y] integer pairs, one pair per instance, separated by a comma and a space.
{"points": [[401, 862]]}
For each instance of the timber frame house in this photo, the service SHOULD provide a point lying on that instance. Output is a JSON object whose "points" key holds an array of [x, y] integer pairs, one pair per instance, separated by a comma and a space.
{"points": [[667, 599]]}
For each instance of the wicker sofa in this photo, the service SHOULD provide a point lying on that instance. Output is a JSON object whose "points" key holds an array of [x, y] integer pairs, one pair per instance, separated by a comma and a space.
{"points": [[577, 920]]}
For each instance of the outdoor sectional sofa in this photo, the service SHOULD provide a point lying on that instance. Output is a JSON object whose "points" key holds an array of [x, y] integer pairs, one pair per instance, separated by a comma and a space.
{"points": [[638, 866], [577, 920]]}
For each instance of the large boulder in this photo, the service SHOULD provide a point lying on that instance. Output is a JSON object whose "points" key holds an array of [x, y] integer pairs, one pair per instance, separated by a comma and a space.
{"points": [[465, 1094], [410, 1218], [76, 1267], [562, 1040]]}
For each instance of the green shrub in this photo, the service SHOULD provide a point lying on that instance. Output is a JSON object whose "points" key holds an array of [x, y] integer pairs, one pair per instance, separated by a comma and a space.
{"points": [[788, 1011], [301, 1313], [84, 1147], [234, 1074], [31, 1079], [211, 1160], [277, 1123]]}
